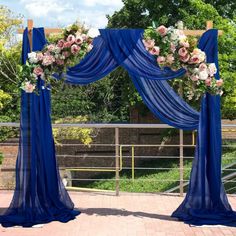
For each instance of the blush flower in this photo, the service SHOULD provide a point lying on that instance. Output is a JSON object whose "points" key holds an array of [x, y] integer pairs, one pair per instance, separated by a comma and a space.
{"points": [[170, 59], [202, 67], [79, 40], [38, 71], [28, 87], [66, 54], [162, 30], [208, 82], [182, 52], [219, 82], [194, 77], [51, 47], [161, 60], [149, 43], [39, 56], [71, 38], [60, 62], [75, 49], [48, 60], [185, 58], [172, 47], [155, 50], [60, 43]]}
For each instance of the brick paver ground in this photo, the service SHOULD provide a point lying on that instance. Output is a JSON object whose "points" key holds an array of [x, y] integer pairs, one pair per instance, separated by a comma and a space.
{"points": [[126, 215]]}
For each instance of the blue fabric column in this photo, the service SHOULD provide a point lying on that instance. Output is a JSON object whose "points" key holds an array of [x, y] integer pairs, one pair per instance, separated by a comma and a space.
{"points": [[206, 202], [39, 195]]}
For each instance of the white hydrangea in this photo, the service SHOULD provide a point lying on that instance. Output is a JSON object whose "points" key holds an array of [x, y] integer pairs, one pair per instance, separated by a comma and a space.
{"points": [[33, 57], [203, 75]]}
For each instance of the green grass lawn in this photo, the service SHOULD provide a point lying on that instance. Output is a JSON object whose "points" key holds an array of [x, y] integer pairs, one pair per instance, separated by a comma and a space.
{"points": [[149, 180]]}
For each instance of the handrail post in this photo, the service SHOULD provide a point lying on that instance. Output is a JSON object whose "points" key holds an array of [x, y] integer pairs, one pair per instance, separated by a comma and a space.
{"points": [[181, 153], [132, 163], [181, 163], [117, 161]]}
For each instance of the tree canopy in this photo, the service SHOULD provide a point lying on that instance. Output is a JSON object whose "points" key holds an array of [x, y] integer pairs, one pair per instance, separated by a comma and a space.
{"points": [[194, 14]]}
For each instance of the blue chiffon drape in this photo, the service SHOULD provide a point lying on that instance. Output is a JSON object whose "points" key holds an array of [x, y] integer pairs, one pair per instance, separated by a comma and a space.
{"points": [[206, 201], [39, 195]]}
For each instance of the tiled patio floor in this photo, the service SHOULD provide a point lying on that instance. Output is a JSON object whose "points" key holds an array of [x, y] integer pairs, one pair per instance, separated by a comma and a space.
{"points": [[126, 215]]}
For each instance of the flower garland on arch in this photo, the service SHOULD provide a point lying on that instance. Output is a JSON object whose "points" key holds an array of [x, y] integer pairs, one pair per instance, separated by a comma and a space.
{"points": [[172, 48], [66, 50]]}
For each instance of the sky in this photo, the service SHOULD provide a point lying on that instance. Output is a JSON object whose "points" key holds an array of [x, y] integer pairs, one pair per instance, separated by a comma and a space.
{"points": [[60, 13]]}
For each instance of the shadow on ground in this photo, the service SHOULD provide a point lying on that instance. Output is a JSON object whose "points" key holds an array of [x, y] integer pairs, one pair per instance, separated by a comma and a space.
{"points": [[123, 212]]}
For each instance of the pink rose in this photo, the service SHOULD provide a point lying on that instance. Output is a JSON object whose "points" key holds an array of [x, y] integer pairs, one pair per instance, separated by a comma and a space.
{"points": [[71, 38], [161, 60], [39, 56], [183, 52], [67, 44], [202, 66], [172, 47], [28, 87], [170, 59], [198, 55], [38, 71], [51, 47], [194, 59], [60, 43], [208, 82], [48, 60], [194, 77], [149, 43], [60, 62], [185, 58], [75, 49], [219, 82], [162, 30], [66, 54], [155, 50], [79, 40], [84, 37]]}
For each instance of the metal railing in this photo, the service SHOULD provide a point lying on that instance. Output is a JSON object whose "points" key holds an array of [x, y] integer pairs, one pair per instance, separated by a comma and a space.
{"points": [[119, 156]]}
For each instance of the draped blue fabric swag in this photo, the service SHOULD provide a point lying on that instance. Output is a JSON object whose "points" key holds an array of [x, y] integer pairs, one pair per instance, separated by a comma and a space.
{"points": [[39, 195], [206, 201]]}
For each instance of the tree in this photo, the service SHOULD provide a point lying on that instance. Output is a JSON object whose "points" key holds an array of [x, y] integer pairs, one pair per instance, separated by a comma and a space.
{"points": [[194, 13]]}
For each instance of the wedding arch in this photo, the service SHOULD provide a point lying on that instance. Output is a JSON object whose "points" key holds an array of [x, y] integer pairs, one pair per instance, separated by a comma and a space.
{"points": [[40, 196]]}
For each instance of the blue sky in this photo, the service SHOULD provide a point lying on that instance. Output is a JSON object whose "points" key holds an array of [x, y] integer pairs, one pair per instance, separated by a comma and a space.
{"points": [[60, 13]]}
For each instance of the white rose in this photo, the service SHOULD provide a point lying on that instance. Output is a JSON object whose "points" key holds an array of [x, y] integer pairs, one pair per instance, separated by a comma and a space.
{"points": [[92, 33], [212, 69], [203, 75], [32, 57]]}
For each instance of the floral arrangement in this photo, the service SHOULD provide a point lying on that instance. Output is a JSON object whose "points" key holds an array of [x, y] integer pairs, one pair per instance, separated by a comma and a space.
{"points": [[172, 48], [55, 57]]}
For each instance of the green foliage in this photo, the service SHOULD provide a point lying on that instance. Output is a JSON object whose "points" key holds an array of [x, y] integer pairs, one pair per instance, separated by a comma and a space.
{"points": [[99, 101], [8, 23], [5, 98], [6, 132], [82, 134], [194, 13], [1, 158]]}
